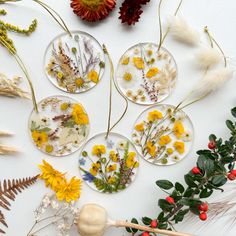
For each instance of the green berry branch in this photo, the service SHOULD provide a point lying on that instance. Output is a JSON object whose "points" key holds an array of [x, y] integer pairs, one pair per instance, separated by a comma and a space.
{"points": [[215, 166]]}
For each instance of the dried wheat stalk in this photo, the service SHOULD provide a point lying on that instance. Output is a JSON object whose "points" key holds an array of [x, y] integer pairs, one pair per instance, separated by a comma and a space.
{"points": [[8, 191], [6, 150], [5, 134], [10, 88]]}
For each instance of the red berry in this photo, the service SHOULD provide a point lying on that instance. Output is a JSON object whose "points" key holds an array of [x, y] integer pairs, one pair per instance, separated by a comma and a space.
{"points": [[203, 216], [196, 171], [154, 224], [203, 207], [212, 145], [233, 172], [145, 234], [231, 176], [170, 200]]}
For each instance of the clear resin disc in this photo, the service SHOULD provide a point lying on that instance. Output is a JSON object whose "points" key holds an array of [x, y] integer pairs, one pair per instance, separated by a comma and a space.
{"points": [[162, 135], [60, 127], [74, 64], [108, 165], [146, 76]]}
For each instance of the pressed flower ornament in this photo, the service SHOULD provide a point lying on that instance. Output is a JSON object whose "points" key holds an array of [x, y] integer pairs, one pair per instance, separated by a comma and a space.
{"points": [[163, 134], [147, 72], [108, 162]]}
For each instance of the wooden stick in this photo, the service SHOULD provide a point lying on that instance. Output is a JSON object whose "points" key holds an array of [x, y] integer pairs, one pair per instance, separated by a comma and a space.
{"points": [[148, 229]]}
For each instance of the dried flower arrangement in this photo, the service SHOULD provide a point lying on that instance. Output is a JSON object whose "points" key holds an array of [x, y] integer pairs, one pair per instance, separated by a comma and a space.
{"points": [[146, 74], [60, 126], [6, 150], [75, 63], [8, 191], [108, 164], [10, 88], [92, 10], [163, 136], [215, 166], [58, 209]]}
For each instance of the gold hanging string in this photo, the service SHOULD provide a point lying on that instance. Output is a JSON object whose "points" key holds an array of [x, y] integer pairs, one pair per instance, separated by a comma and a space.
{"points": [[23, 68], [213, 41], [168, 29], [109, 127], [163, 37], [54, 15]]}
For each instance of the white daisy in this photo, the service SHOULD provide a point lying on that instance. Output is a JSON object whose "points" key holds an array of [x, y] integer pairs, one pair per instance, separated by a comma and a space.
{"points": [[187, 136], [127, 77]]}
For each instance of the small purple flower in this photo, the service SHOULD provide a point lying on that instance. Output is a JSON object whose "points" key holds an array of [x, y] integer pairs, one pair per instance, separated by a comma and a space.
{"points": [[82, 161], [88, 177], [110, 143]]}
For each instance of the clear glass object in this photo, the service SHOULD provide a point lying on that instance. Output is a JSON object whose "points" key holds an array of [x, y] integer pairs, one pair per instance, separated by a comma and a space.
{"points": [[60, 127], [163, 135], [74, 63], [108, 165], [145, 75]]}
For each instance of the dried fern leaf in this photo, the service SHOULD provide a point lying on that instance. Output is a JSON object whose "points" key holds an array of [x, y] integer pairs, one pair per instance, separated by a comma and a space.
{"points": [[10, 88], [8, 191], [6, 150]]}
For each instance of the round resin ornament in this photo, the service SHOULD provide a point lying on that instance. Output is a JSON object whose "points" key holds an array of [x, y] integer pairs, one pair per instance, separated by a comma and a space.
{"points": [[108, 165], [163, 135], [145, 75], [74, 63], [60, 127]]}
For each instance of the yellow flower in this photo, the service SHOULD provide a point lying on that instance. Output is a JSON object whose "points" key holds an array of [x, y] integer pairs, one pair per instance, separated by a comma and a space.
{"points": [[113, 156], [149, 52], [179, 147], [49, 148], [130, 161], [93, 76], [127, 76], [79, 115], [169, 151], [39, 138], [111, 179], [165, 139], [139, 127], [125, 61], [79, 82], [154, 115], [69, 191], [52, 177], [64, 106], [95, 168], [152, 72], [138, 62], [59, 75], [98, 150], [178, 129], [151, 148], [111, 168]]}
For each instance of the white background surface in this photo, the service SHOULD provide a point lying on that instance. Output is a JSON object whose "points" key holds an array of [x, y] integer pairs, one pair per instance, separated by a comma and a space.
{"points": [[208, 116]]}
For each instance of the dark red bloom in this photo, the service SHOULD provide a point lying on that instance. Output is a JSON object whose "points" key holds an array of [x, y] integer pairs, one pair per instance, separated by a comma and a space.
{"points": [[92, 10], [130, 12]]}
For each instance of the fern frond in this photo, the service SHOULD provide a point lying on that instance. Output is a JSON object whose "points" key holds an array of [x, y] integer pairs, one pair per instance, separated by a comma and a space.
{"points": [[8, 191]]}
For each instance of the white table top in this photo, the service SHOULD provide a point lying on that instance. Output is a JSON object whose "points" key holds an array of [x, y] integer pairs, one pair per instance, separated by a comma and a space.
{"points": [[208, 116]]}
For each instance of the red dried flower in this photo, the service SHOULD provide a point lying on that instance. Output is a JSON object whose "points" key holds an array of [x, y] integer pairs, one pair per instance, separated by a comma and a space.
{"points": [[130, 12], [92, 10]]}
